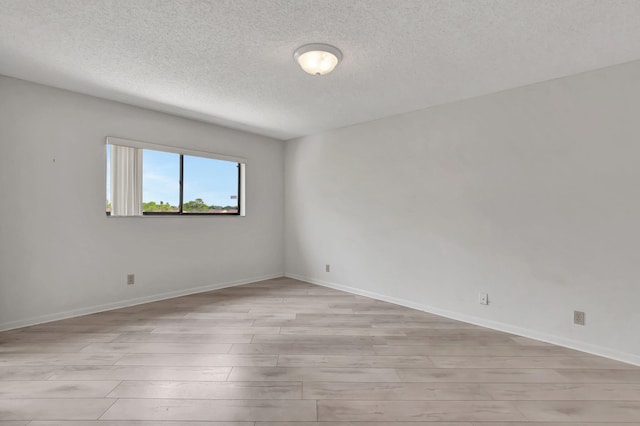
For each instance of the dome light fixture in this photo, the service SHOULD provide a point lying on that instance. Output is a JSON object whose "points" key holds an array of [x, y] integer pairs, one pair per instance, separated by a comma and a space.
{"points": [[317, 58]]}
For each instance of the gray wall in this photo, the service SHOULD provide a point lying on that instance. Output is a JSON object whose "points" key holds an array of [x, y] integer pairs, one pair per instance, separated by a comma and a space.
{"points": [[530, 195], [59, 253]]}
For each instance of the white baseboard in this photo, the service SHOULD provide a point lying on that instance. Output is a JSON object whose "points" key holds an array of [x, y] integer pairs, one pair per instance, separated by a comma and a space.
{"points": [[128, 302], [628, 358]]}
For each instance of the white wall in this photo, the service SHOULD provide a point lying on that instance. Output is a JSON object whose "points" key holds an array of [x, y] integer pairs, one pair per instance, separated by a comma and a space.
{"points": [[531, 195], [59, 253]]}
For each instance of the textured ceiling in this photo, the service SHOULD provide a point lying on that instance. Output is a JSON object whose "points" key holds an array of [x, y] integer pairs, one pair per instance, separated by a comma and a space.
{"points": [[230, 61]]}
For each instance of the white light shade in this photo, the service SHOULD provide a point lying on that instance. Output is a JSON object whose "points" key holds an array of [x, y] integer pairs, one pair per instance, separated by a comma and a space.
{"points": [[317, 58]]}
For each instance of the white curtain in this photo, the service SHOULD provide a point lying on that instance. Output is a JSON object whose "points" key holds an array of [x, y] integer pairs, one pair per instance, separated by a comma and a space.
{"points": [[126, 181]]}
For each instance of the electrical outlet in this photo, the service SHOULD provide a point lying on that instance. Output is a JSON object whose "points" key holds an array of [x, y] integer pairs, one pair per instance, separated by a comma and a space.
{"points": [[327, 268], [578, 317], [483, 298], [130, 279]]}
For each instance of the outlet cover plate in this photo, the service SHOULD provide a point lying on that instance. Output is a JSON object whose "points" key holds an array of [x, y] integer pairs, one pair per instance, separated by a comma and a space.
{"points": [[578, 317], [483, 298]]}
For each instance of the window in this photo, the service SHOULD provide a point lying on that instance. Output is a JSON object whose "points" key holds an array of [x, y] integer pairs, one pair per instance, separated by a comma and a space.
{"points": [[160, 182], [171, 181], [210, 185]]}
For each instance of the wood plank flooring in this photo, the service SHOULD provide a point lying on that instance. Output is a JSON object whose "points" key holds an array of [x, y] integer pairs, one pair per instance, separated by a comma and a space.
{"points": [[284, 352]]}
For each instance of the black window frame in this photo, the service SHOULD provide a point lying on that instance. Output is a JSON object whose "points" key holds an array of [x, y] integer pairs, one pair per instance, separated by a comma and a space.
{"points": [[181, 201]]}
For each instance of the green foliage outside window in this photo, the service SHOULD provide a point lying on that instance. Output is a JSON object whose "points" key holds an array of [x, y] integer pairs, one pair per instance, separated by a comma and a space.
{"points": [[152, 206], [195, 206]]}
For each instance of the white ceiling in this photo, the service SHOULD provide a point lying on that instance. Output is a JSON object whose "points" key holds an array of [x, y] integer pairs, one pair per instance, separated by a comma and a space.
{"points": [[230, 61]]}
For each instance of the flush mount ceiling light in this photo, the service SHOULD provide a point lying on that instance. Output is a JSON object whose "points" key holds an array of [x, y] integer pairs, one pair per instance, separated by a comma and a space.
{"points": [[317, 58]]}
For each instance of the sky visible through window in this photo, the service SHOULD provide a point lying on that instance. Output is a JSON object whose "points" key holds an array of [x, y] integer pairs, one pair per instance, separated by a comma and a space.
{"points": [[213, 181], [161, 177]]}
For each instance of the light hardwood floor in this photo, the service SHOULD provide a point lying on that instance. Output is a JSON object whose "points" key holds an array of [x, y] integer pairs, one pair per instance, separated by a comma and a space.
{"points": [[284, 352]]}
